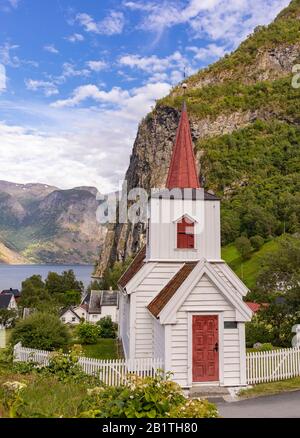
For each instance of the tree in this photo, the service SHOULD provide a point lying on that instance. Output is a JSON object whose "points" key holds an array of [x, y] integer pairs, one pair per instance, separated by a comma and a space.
{"points": [[257, 242], [108, 329], [42, 331], [8, 317], [34, 293], [71, 297], [280, 267], [88, 333], [59, 284], [243, 245]]}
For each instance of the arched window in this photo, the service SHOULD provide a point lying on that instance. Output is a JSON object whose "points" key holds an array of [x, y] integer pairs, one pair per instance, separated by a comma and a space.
{"points": [[185, 234]]}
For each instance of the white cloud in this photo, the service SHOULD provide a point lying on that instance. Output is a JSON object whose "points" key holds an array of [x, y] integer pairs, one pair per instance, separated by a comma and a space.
{"points": [[211, 51], [14, 3], [97, 65], [48, 88], [6, 57], [51, 49], [2, 78], [153, 64], [228, 20], [75, 38], [112, 24], [75, 146], [80, 94], [70, 70]]}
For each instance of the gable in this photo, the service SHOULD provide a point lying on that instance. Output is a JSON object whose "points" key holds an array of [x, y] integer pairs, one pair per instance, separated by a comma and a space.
{"points": [[220, 286], [205, 295], [69, 313]]}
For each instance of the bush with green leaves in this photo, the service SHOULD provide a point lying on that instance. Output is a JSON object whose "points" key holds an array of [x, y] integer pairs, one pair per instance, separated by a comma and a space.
{"points": [[257, 242], [243, 245], [149, 397], [108, 328], [88, 333], [8, 317], [43, 331]]}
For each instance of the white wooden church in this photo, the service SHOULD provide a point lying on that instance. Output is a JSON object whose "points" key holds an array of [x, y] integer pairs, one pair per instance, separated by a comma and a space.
{"points": [[179, 301]]}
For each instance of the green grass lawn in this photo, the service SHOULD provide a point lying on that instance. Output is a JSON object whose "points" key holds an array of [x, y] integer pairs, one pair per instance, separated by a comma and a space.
{"points": [[272, 388], [104, 349], [249, 269]]}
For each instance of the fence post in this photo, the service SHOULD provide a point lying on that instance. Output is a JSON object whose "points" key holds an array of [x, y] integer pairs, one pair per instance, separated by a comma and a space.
{"points": [[17, 352]]}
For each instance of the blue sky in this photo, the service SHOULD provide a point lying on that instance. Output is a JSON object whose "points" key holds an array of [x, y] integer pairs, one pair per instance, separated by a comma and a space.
{"points": [[77, 76]]}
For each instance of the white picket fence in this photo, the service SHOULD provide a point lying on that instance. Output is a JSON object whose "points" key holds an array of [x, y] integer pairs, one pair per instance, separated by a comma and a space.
{"points": [[110, 372], [271, 366]]}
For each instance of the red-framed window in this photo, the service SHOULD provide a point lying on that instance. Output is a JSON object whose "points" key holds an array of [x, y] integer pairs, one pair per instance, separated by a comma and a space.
{"points": [[185, 234]]}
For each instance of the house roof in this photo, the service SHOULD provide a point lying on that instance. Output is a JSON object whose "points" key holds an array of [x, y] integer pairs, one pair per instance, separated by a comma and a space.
{"points": [[15, 292], [183, 171], [160, 301], [109, 298], [186, 194], [5, 300], [255, 307], [68, 309], [95, 301], [134, 268]]}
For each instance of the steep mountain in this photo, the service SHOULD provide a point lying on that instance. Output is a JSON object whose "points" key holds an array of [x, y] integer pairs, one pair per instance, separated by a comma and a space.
{"points": [[245, 120], [42, 224]]}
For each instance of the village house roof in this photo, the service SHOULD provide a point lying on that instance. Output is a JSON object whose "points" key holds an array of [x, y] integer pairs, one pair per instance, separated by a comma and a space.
{"points": [[101, 298], [160, 301], [15, 292], [68, 309], [5, 300], [134, 268], [255, 307], [182, 171], [109, 298]]}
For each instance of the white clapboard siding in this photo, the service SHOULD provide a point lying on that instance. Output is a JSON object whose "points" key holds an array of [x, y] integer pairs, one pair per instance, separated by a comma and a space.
{"points": [[270, 366], [141, 319], [163, 245], [110, 372], [205, 297], [124, 318]]}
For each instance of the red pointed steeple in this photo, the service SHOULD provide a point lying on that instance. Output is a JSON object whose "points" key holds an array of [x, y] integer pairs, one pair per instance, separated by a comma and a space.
{"points": [[182, 171]]}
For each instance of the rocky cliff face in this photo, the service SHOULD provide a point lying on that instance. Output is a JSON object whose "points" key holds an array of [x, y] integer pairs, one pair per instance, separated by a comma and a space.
{"points": [[253, 83], [43, 224]]}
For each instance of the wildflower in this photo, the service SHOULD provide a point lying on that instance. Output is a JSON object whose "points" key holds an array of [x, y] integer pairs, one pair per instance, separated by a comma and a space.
{"points": [[14, 386]]}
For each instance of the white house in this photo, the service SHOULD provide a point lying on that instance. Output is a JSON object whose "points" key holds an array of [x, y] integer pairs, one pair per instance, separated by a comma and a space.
{"points": [[179, 301], [96, 305], [8, 302], [69, 316], [103, 303]]}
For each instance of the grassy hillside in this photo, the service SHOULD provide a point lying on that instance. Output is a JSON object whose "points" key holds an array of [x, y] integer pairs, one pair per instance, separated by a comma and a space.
{"points": [[248, 270]]}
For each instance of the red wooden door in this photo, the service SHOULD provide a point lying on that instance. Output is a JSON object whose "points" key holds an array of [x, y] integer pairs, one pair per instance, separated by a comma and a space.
{"points": [[205, 348]]}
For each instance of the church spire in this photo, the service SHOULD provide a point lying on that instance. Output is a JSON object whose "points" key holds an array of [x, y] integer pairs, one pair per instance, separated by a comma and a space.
{"points": [[182, 171]]}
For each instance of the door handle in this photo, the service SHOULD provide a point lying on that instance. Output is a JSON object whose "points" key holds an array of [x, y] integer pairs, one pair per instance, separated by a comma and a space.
{"points": [[216, 349]]}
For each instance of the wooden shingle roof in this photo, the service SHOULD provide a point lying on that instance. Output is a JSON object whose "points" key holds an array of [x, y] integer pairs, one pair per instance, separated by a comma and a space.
{"points": [[160, 301], [134, 268]]}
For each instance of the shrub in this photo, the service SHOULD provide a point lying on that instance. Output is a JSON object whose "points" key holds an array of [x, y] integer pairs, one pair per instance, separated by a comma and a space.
{"points": [[88, 333], [42, 331], [150, 397], [108, 329], [266, 347], [243, 245], [258, 331], [257, 242]]}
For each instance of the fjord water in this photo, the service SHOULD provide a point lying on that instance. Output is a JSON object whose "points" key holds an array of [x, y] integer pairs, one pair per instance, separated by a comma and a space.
{"points": [[11, 276]]}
